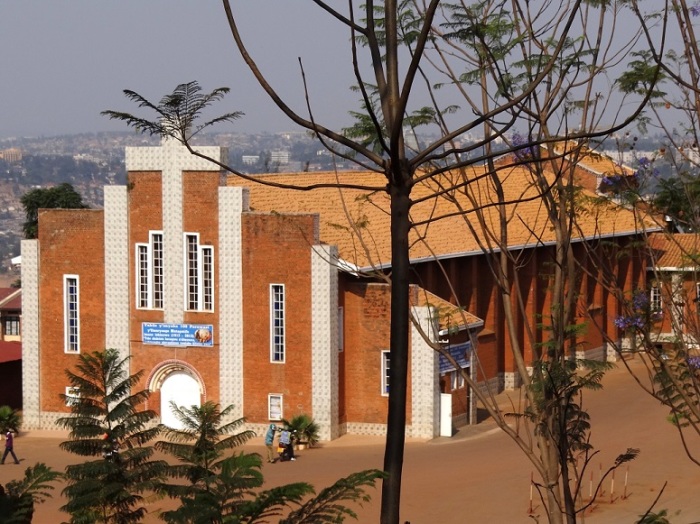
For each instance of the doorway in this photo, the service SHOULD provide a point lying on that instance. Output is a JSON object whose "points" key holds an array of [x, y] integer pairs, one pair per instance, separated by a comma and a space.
{"points": [[181, 388]]}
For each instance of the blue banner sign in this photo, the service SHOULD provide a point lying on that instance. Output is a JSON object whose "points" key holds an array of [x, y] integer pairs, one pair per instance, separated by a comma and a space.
{"points": [[460, 353], [177, 334]]}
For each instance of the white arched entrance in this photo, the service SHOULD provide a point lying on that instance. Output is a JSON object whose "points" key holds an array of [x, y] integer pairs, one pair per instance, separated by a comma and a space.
{"points": [[181, 388]]}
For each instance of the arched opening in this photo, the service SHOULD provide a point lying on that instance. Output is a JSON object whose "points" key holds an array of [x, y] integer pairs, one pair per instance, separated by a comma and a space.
{"points": [[176, 383], [182, 389]]}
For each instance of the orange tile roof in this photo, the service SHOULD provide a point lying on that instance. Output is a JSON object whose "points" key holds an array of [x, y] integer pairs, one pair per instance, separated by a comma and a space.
{"points": [[678, 250], [450, 317], [600, 163], [358, 220], [591, 166]]}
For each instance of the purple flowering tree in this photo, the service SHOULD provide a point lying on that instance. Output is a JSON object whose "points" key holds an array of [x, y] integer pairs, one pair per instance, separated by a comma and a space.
{"points": [[639, 315]]}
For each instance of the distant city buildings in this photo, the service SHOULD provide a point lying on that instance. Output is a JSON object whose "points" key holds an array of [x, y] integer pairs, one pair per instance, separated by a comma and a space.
{"points": [[12, 155], [279, 157]]}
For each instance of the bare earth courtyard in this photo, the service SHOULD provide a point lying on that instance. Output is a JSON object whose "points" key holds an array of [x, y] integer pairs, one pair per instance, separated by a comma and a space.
{"points": [[477, 476]]}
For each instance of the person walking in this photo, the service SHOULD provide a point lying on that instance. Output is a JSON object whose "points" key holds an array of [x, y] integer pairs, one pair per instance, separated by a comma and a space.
{"points": [[269, 442], [9, 447]]}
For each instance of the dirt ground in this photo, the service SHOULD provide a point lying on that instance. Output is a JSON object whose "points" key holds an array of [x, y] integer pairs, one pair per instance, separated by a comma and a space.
{"points": [[478, 475]]}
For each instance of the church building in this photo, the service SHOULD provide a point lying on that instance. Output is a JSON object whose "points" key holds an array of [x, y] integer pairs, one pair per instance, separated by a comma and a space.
{"points": [[276, 301], [214, 302]]}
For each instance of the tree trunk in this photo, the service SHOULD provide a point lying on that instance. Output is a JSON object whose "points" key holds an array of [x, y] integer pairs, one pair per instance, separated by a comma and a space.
{"points": [[399, 190], [550, 461]]}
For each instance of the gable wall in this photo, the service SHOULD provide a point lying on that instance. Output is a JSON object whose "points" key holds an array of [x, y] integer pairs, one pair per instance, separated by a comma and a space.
{"points": [[71, 242], [276, 250], [200, 215], [367, 329]]}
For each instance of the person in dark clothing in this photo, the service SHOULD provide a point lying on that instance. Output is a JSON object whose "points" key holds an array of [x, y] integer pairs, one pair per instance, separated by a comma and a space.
{"points": [[286, 444], [9, 447]]}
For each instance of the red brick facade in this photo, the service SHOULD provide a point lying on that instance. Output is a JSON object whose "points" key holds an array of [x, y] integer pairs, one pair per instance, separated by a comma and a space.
{"points": [[74, 241], [277, 252], [273, 248]]}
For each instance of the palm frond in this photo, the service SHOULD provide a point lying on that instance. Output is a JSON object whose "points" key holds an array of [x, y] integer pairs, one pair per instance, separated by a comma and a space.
{"points": [[269, 503], [329, 506], [176, 113]]}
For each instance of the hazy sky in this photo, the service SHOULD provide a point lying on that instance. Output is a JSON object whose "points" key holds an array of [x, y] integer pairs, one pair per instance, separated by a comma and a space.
{"points": [[62, 62]]}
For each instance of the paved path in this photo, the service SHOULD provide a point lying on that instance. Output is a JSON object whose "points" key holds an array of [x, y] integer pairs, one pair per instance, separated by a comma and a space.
{"points": [[479, 475]]}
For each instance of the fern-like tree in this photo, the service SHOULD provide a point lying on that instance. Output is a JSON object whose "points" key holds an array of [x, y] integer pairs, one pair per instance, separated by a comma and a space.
{"points": [[200, 448], [18, 497], [222, 488], [111, 430]]}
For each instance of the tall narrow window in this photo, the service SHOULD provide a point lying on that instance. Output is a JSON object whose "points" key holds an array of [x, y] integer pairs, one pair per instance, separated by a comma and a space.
{"points": [[386, 369], [655, 298], [341, 329], [192, 272], [71, 314], [277, 323], [199, 274], [144, 284], [207, 278], [149, 261], [157, 249]]}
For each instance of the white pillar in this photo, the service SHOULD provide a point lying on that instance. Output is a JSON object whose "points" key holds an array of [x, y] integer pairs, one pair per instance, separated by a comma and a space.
{"points": [[324, 339], [233, 201], [31, 384]]}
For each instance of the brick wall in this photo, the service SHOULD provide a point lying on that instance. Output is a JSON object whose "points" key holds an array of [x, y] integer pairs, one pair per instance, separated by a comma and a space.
{"points": [[367, 328], [70, 242], [276, 250], [200, 215]]}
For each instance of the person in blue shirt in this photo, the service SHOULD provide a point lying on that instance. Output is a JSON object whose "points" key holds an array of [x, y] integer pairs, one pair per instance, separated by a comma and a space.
{"points": [[286, 445], [269, 441]]}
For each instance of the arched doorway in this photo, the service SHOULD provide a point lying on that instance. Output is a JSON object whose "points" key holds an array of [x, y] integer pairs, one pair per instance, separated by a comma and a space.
{"points": [[181, 388]]}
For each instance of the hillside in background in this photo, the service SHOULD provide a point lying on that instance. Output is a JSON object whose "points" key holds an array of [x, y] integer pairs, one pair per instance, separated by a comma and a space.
{"points": [[92, 160]]}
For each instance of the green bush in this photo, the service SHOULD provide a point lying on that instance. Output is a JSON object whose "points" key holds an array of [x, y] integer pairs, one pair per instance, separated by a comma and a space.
{"points": [[10, 420], [305, 427]]}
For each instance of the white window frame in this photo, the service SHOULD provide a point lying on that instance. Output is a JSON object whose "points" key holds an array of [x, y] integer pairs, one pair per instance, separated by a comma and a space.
{"points": [[275, 406], [386, 370], [72, 396], [143, 288], [150, 274], [456, 379], [199, 274], [71, 314], [207, 278], [341, 328], [655, 301], [278, 336]]}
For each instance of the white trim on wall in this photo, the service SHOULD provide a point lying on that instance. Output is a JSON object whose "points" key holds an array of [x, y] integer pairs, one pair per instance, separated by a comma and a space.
{"points": [[278, 346], [275, 406], [71, 313]]}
